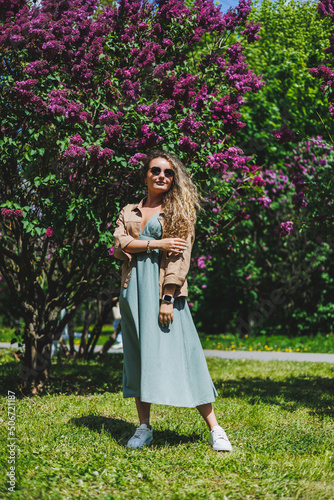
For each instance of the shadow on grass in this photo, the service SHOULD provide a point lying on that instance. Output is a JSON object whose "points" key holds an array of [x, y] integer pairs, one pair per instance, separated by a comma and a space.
{"points": [[69, 377], [94, 377], [314, 393], [121, 430]]}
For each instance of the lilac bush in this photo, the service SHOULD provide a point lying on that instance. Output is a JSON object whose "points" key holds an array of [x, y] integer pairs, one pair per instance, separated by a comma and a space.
{"points": [[311, 173], [85, 92]]}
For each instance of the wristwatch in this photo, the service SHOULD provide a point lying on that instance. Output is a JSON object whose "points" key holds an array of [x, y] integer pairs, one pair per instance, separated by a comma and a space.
{"points": [[168, 298]]}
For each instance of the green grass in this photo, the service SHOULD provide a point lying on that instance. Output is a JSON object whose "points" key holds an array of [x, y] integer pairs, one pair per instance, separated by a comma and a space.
{"points": [[71, 441], [232, 342]]}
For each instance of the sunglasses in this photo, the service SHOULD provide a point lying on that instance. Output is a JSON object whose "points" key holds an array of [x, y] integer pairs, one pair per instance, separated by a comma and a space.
{"points": [[157, 171]]}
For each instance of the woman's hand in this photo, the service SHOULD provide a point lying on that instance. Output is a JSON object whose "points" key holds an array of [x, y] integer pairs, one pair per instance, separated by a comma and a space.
{"points": [[166, 314], [174, 245]]}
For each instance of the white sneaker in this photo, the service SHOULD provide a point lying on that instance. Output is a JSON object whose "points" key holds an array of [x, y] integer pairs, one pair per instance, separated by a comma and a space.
{"points": [[219, 440], [142, 436]]}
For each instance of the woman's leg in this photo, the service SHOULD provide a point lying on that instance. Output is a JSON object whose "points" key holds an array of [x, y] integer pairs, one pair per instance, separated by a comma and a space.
{"points": [[143, 435], [143, 410], [208, 414], [218, 438]]}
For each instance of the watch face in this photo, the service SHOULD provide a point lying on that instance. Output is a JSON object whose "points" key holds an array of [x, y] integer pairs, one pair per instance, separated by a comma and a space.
{"points": [[167, 298]]}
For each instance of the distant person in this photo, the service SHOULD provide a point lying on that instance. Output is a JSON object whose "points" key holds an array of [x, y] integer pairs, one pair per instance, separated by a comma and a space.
{"points": [[115, 335], [163, 358], [117, 320]]}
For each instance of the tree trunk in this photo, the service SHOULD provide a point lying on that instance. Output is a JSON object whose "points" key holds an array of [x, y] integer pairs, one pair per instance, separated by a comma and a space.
{"points": [[102, 315], [36, 364], [87, 323], [71, 338]]}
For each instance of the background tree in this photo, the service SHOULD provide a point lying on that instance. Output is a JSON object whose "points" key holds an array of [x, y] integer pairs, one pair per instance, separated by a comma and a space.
{"points": [[293, 38], [85, 93], [238, 282]]}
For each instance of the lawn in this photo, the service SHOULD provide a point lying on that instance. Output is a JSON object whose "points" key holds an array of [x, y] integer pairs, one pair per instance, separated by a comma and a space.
{"points": [[71, 441]]}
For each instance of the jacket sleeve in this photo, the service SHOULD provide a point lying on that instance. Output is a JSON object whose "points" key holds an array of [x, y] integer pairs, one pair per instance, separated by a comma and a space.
{"points": [[177, 266], [121, 239]]}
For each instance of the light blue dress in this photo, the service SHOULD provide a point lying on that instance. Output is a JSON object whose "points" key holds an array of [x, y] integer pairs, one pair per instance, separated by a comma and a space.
{"points": [[162, 365]]}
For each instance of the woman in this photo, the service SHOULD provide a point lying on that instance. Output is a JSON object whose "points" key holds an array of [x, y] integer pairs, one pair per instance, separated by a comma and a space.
{"points": [[163, 359]]}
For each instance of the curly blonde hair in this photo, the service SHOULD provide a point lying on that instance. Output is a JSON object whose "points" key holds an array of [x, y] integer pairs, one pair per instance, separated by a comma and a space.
{"points": [[181, 200]]}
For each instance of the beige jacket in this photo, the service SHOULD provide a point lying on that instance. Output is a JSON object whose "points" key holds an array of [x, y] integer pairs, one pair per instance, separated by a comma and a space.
{"points": [[173, 268]]}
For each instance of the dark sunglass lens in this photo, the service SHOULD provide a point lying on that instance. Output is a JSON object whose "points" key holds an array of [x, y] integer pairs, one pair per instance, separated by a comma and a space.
{"points": [[155, 170], [169, 172]]}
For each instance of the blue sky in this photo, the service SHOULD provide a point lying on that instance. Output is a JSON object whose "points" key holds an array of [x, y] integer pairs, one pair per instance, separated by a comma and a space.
{"points": [[226, 4]]}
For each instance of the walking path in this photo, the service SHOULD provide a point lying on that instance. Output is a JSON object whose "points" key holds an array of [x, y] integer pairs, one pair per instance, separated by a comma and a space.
{"points": [[256, 355], [270, 356]]}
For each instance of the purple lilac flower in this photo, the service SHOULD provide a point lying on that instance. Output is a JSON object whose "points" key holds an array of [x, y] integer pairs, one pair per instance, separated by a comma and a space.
{"points": [[157, 112], [74, 152], [241, 215], [23, 89], [217, 162], [126, 73], [105, 155], [137, 158], [168, 84], [259, 181], [326, 8], [149, 138], [94, 152], [233, 158], [7, 212], [189, 125], [113, 133], [167, 42], [147, 56], [184, 89], [161, 70], [128, 34], [37, 68], [108, 117], [264, 201], [59, 105], [187, 145], [299, 200], [284, 134], [156, 30], [251, 31], [201, 98], [201, 262], [131, 90], [286, 228], [52, 48], [76, 139], [226, 111]]}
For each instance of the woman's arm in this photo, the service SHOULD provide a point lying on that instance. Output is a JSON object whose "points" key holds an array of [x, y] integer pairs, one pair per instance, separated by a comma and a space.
{"points": [[174, 245], [121, 238], [166, 310]]}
